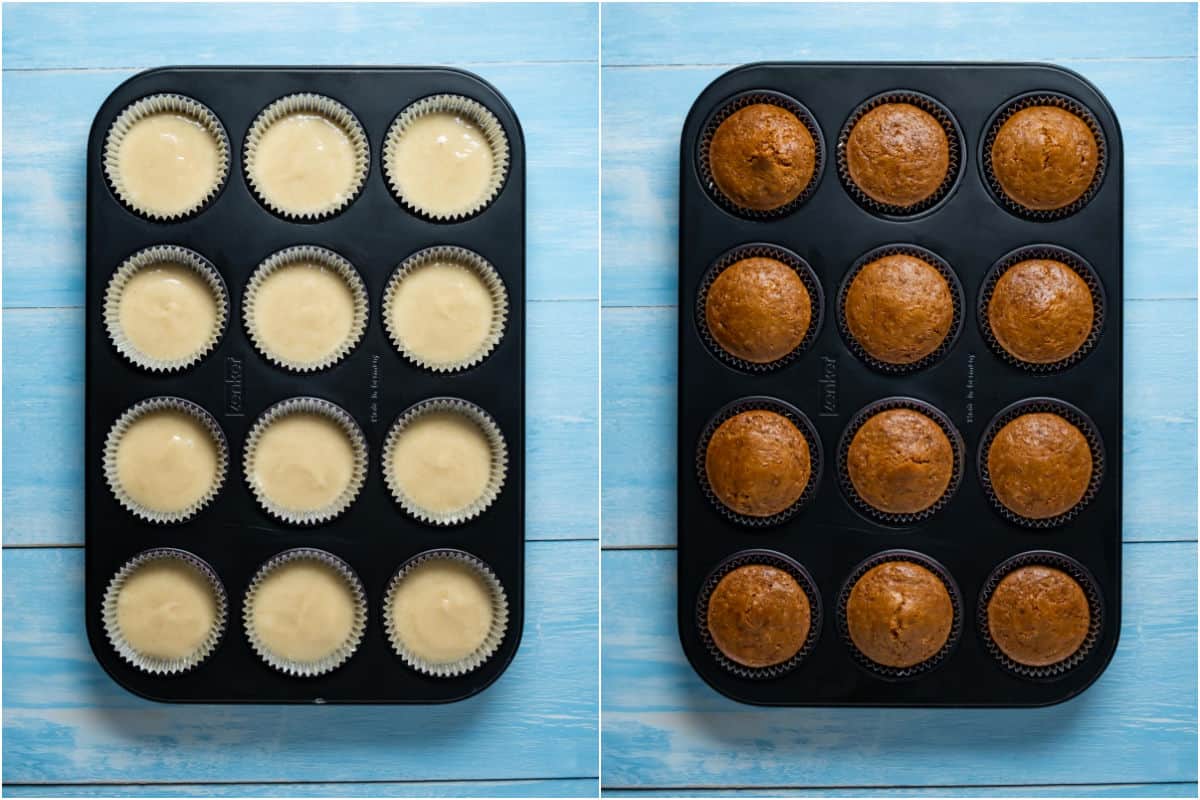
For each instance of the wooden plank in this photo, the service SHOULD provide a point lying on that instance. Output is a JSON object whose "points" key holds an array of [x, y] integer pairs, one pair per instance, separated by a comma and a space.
{"points": [[561, 787], [664, 727], [66, 721], [1179, 789]]}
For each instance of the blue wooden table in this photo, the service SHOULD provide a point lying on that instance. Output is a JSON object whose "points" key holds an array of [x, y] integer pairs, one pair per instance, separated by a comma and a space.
{"points": [[67, 727], [1134, 732]]}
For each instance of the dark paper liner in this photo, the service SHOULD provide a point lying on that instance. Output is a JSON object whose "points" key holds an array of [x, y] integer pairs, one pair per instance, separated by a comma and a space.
{"points": [[802, 269], [956, 297], [726, 110], [860, 419], [954, 140], [929, 664], [997, 120], [1048, 252], [1091, 590], [793, 415], [1072, 415], [768, 558]]}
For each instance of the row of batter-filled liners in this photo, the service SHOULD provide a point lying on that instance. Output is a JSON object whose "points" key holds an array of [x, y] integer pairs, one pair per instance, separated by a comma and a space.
{"points": [[1031, 262], [797, 134], [195, 437], [787, 614], [177, 636], [797, 443], [306, 157], [189, 286]]}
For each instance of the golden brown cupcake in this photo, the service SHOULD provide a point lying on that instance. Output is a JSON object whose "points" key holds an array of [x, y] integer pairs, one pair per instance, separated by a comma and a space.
{"points": [[898, 154], [759, 616], [758, 463], [900, 461], [1038, 616], [762, 157], [758, 309], [899, 614], [1039, 465], [899, 308], [1041, 311], [1045, 157]]}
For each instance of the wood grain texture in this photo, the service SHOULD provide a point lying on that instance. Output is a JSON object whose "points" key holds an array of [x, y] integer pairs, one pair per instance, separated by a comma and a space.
{"points": [[559, 787]]}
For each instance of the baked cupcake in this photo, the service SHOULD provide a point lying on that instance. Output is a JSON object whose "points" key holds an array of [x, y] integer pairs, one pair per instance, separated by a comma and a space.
{"points": [[899, 309], [898, 154], [759, 616], [1038, 616], [1044, 157], [762, 157], [900, 461], [1039, 465], [758, 463], [899, 614], [1041, 311], [758, 309]]}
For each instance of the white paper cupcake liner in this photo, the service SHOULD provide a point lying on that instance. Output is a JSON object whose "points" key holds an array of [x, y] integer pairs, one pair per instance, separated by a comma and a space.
{"points": [[152, 256], [499, 460], [122, 425], [494, 637], [478, 113], [469, 260], [358, 442], [333, 111], [164, 104], [307, 669], [150, 664], [329, 260]]}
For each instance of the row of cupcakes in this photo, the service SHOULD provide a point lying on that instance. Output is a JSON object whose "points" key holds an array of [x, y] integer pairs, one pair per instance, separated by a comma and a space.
{"points": [[899, 153], [900, 307], [900, 614], [306, 157], [305, 459], [444, 612], [900, 461]]}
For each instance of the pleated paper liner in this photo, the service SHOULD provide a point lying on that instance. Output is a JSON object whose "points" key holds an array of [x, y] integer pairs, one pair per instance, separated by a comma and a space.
{"points": [[769, 558], [1031, 99], [151, 664], [1048, 252], [494, 637], [954, 140], [164, 104], [860, 419], [803, 271], [1091, 591], [793, 415], [725, 110], [956, 297], [929, 664], [122, 425], [1072, 415]]}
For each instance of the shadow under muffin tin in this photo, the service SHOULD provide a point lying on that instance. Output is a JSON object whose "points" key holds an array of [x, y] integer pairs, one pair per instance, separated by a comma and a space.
{"points": [[376, 232], [969, 386]]}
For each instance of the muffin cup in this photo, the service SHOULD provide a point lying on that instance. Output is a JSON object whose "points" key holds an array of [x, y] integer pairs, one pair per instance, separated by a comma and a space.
{"points": [[494, 638], [726, 110], [329, 260], [307, 669], [499, 460], [472, 261], [860, 419], [336, 113], [1072, 415], [954, 140], [802, 270], [173, 254], [112, 629], [164, 104], [956, 626], [493, 132], [956, 297], [1054, 253], [121, 427], [768, 558], [1002, 114], [1091, 591], [793, 415], [358, 442]]}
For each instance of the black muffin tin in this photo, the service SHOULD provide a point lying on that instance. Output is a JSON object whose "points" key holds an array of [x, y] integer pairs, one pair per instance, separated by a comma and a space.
{"points": [[829, 384], [236, 384]]}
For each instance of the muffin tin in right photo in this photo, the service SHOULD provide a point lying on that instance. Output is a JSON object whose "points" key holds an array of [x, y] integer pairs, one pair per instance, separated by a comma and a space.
{"points": [[900, 384]]}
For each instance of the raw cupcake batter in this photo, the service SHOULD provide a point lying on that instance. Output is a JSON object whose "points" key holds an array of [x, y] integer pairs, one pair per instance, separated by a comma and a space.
{"points": [[302, 313], [442, 462], [166, 609], [442, 164], [168, 312], [303, 611], [166, 461], [441, 313], [303, 462], [167, 163], [441, 611], [304, 163]]}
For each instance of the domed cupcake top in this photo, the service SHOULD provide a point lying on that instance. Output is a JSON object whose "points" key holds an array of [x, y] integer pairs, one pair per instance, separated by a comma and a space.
{"points": [[1041, 311], [899, 614], [1039, 465], [1038, 615], [758, 463], [1045, 157], [759, 616], [898, 154], [899, 309], [900, 461], [758, 309], [762, 157]]}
